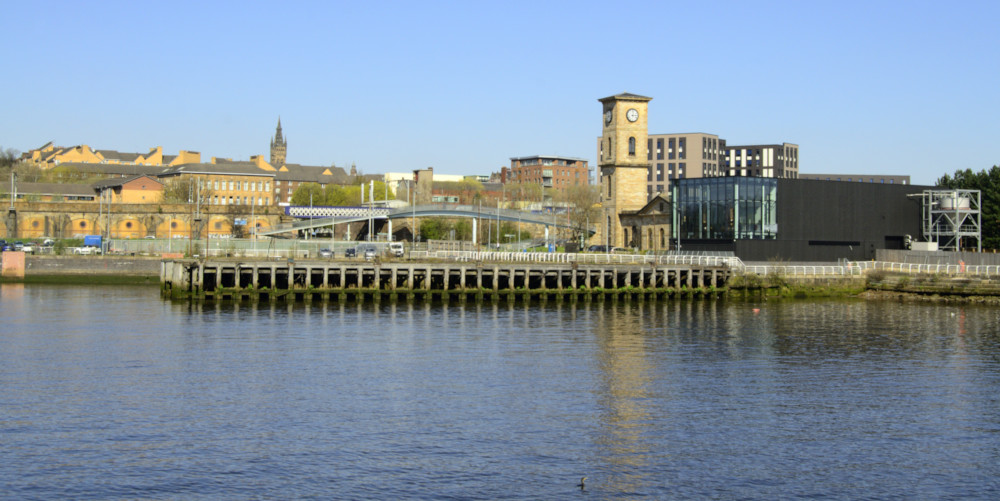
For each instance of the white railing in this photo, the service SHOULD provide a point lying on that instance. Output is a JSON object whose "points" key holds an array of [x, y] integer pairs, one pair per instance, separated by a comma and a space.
{"points": [[563, 257], [851, 268], [802, 270], [946, 269]]}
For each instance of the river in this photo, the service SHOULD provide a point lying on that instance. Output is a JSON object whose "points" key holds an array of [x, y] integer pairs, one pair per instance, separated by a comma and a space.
{"points": [[114, 393]]}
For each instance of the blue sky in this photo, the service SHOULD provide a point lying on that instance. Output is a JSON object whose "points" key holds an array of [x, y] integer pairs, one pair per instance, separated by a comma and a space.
{"points": [[861, 87]]}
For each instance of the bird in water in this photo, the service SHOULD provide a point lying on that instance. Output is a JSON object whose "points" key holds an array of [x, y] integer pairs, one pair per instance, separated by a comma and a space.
{"points": [[582, 483]]}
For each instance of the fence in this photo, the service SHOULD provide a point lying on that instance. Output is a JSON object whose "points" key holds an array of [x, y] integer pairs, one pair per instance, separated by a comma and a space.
{"points": [[849, 268], [566, 257]]}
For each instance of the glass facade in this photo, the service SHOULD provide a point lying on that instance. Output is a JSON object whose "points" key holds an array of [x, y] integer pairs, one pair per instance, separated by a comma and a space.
{"points": [[727, 208]]}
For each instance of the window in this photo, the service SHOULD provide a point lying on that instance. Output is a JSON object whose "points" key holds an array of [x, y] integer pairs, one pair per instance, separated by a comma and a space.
{"points": [[631, 146]]}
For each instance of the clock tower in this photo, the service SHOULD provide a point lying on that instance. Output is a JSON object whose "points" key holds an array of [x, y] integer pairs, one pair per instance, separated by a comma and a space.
{"points": [[624, 164]]}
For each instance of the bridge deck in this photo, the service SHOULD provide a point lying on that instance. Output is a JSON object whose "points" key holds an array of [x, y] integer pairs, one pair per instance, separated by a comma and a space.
{"points": [[435, 210]]}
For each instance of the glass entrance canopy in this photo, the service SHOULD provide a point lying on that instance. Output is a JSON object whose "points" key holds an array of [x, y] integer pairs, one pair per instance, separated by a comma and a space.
{"points": [[726, 208]]}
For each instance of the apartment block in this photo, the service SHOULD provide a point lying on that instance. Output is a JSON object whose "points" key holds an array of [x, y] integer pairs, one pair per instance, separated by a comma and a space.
{"points": [[762, 160], [554, 173]]}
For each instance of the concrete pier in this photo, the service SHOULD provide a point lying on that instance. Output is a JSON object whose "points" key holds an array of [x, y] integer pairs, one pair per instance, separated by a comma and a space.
{"points": [[322, 280]]}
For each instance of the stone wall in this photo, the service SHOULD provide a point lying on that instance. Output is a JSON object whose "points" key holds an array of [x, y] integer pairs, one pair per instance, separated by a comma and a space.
{"points": [[92, 265]]}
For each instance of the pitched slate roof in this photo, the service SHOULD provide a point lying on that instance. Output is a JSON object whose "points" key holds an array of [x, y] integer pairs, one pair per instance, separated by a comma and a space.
{"points": [[119, 181], [56, 189], [116, 169], [312, 174], [117, 155], [234, 168]]}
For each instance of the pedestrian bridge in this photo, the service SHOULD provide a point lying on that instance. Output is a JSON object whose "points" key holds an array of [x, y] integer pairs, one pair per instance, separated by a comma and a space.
{"points": [[321, 217]]}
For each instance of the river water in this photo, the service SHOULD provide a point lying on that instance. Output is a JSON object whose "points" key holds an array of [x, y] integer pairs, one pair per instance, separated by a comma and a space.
{"points": [[111, 392]]}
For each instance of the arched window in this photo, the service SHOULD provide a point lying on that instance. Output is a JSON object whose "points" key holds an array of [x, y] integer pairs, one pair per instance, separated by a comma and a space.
{"points": [[663, 240], [631, 146]]}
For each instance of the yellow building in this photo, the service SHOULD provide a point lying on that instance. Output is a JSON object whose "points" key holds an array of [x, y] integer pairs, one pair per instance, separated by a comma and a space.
{"points": [[237, 183], [49, 156], [133, 190]]}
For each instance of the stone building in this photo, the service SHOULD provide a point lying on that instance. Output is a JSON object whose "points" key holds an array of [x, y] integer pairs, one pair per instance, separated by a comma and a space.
{"points": [[623, 165]]}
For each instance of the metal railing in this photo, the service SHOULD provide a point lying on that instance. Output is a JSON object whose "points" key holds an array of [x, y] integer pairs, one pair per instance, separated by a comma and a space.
{"points": [[946, 269], [564, 257]]}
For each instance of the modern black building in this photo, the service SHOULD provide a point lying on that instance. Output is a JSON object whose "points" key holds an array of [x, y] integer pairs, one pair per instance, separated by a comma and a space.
{"points": [[761, 219]]}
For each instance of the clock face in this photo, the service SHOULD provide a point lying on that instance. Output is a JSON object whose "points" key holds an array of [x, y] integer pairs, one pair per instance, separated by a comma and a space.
{"points": [[607, 117], [632, 115]]}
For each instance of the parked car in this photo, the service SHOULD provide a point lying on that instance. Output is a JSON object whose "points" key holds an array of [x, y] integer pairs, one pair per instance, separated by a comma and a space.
{"points": [[350, 252], [396, 249], [368, 251], [324, 252], [18, 246], [598, 248], [29, 248]]}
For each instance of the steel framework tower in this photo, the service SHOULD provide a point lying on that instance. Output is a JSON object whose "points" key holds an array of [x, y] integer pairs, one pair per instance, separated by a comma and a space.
{"points": [[950, 215]]}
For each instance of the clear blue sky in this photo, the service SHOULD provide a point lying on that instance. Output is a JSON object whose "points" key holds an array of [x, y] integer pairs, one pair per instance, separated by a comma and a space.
{"points": [[862, 87]]}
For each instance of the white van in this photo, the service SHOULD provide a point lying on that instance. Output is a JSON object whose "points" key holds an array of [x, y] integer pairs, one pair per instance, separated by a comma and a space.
{"points": [[396, 249]]}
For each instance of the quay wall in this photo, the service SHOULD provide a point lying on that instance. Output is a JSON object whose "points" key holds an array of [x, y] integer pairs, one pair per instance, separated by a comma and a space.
{"points": [[251, 280], [91, 266]]}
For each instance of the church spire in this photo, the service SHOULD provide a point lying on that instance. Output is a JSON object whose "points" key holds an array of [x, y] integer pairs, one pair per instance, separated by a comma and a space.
{"points": [[279, 147]]}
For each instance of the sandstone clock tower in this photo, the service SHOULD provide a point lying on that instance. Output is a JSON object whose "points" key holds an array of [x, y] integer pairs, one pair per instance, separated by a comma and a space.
{"points": [[623, 162]]}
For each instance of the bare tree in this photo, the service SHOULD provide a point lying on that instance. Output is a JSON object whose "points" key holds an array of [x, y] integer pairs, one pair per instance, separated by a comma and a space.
{"points": [[185, 190], [582, 201]]}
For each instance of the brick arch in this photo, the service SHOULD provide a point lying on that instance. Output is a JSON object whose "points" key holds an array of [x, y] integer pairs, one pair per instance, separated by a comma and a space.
{"points": [[79, 226], [219, 225], [33, 226], [261, 222], [128, 227], [173, 227]]}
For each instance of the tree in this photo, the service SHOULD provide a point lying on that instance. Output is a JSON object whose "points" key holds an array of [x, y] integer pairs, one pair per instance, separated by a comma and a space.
{"points": [[582, 201], [525, 192], [309, 194], [8, 157], [434, 228], [988, 183], [509, 228], [463, 229], [184, 190]]}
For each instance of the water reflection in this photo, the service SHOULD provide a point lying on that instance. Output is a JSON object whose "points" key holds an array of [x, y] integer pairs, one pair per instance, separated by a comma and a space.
{"points": [[675, 399]]}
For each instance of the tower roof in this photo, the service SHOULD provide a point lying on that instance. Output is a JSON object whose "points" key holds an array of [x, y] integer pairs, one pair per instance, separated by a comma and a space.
{"points": [[625, 96]]}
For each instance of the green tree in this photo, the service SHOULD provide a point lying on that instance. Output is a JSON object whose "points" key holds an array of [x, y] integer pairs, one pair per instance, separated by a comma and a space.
{"points": [[988, 183], [347, 194], [434, 228], [463, 229], [509, 228], [309, 194], [525, 192]]}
